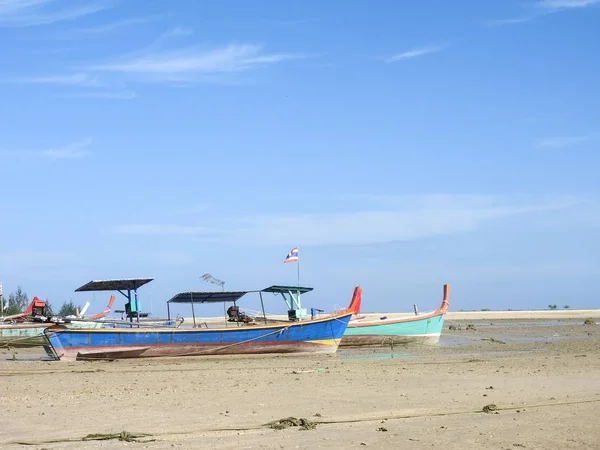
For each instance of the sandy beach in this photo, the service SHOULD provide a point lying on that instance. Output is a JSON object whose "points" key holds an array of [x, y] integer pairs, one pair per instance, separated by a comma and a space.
{"points": [[542, 378]]}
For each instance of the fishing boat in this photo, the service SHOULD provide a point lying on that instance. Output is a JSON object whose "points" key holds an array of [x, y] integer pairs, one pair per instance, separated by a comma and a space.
{"points": [[420, 328], [242, 335], [26, 329]]}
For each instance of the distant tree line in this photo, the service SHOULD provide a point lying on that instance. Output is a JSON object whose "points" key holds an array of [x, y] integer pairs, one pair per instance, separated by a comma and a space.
{"points": [[19, 301]]}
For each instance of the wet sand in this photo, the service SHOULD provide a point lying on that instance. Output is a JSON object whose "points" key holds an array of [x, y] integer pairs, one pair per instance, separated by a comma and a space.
{"points": [[543, 376]]}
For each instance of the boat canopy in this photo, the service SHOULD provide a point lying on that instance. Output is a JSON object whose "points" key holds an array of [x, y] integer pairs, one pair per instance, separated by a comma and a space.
{"points": [[232, 296], [124, 284], [290, 294], [287, 289], [208, 297]]}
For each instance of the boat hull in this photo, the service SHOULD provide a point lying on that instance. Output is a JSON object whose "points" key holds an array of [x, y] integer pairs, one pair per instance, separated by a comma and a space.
{"points": [[23, 335], [423, 329], [398, 331], [321, 335]]}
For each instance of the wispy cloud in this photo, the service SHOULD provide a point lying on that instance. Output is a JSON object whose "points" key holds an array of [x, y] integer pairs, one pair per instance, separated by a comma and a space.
{"points": [[544, 7], [161, 62], [155, 229], [565, 4], [116, 95], [76, 79], [380, 220], [370, 227], [74, 150], [24, 13], [103, 89], [565, 141], [415, 52], [8, 7], [108, 27], [512, 21], [191, 63]]}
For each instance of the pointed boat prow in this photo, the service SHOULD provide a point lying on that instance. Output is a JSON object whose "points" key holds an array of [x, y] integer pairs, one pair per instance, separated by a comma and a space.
{"points": [[356, 301], [446, 298], [105, 312]]}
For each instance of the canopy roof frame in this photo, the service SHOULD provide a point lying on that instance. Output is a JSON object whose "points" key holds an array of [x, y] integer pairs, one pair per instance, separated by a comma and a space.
{"points": [[120, 285], [291, 296]]}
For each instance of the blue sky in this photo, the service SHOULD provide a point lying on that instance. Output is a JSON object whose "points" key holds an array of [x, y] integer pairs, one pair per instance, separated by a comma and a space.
{"points": [[400, 145]]}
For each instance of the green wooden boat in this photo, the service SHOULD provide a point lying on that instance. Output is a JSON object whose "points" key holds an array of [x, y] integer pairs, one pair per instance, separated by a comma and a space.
{"points": [[31, 334], [26, 329], [422, 328]]}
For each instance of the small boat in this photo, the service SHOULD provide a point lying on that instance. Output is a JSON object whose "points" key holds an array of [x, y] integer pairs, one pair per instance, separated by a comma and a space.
{"points": [[26, 329], [422, 328], [31, 334], [301, 333]]}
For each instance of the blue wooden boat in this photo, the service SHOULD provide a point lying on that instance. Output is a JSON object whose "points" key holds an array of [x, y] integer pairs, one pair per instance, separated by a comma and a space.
{"points": [[301, 333], [422, 328]]}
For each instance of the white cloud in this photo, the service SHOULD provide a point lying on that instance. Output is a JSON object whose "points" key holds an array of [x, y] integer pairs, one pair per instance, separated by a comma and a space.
{"points": [[565, 4], [508, 21], [191, 62], [564, 141], [76, 79], [385, 220], [24, 13], [117, 95], [8, 7], [415, 52], [108, 27], [74, 150], [382, 219], [156, 229], [544, 7], [80, 80]]}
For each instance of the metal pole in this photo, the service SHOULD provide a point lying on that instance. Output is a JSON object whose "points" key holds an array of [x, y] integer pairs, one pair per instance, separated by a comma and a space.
{"points": [[193, 312], [137, 307], [298, 272], [168, 311], [129, 301], [262, 306], [224, 305], [238, 313]]}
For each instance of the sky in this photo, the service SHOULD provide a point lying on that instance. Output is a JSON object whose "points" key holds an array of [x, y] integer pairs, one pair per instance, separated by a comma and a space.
{"points": [[399, 145]]}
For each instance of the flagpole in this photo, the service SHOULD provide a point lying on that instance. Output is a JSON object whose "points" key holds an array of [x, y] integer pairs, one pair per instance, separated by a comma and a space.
{"points": [[298, 272]]}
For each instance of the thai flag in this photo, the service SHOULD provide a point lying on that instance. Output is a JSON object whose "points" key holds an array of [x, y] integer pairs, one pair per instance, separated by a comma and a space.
{"points": [[292, 256]]}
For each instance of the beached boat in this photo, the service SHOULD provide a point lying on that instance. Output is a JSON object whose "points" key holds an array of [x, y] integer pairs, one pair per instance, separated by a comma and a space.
{"points": [[422, 328], [26, 329], [301, 333], [31, 334]]}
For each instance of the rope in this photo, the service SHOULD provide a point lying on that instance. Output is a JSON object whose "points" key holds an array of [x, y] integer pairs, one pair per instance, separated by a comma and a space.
{"points": [[366, 418]]}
